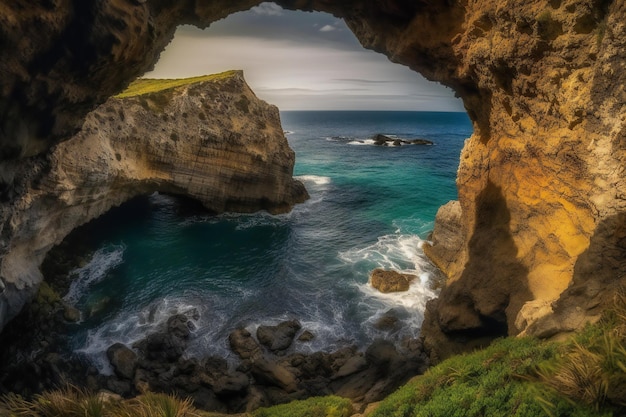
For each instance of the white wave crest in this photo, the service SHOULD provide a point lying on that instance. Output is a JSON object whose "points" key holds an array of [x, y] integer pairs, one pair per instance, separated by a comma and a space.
{"points": [[404, 254], [314, 179], [362, 142], [102, 262], [131, 326]]}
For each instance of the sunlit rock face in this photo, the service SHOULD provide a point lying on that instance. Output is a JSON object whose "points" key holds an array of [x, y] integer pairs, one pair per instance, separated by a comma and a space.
{"points": [[541, 240], [211, 140]]}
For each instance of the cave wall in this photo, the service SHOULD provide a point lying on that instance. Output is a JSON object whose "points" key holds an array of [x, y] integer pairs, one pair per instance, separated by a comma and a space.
{"points": [[541, 181]]}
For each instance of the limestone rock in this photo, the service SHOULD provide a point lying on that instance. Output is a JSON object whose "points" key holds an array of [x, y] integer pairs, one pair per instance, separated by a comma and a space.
{"points": [[195, 139], [390, 281], [541, 181]]}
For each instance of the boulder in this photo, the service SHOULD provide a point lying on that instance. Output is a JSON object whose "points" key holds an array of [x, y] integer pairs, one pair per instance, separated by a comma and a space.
{"points": [[243, 344], [169, 344], [306, 336], [123, 359], [271, 373], [279, 337], [390, 281], [234, 383]]}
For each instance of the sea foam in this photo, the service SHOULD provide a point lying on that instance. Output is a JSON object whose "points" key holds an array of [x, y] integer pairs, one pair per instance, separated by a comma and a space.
{"points": [[102, 262]]}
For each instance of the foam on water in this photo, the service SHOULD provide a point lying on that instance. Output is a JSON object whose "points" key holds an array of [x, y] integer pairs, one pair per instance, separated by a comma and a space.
{"points": [[131, 326], [315, 180], [401, 253], [102, 262]]}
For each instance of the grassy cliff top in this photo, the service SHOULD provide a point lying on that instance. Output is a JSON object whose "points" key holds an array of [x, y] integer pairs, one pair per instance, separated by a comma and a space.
{"points": [[143, 86]]}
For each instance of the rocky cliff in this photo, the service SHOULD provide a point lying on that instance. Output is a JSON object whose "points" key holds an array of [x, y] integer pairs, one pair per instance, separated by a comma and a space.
{"points": [[208, 138], [537, 243]]}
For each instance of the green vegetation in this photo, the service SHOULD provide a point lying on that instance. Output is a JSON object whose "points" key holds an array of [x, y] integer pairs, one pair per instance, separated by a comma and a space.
{"points": [[523, 377], [313, 407], [584, 377], [144, 86]]}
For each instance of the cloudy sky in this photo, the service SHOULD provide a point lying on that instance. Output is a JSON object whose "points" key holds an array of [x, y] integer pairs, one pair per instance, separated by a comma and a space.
{"points": [[301, 61]]}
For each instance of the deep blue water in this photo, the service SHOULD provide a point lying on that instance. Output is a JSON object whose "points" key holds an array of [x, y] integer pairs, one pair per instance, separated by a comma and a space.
{"points": [[370, 207]]}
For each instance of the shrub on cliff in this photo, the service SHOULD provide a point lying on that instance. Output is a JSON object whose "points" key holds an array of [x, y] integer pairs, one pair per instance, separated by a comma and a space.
{"points": [[592, 368], [584, 377]]}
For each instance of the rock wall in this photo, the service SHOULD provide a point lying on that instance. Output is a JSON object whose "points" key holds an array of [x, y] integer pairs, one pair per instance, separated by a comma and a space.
{"points": [[211, 140], [542, 195]]}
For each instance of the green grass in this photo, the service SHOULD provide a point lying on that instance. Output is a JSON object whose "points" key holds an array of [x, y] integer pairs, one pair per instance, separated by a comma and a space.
{"points": [[585, 377], [312, 407], [144, 86]]}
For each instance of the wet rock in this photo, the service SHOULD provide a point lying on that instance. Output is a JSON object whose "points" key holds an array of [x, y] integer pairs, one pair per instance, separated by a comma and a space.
{"points": [[381, 353], [123, 360], [383, 140], [234, 383], [279, 337], [390, 281], [167, 345], [351, 366], [306, 336], [243, 344], [71, 314], [389, 322], [118, 386], [271, 373]]}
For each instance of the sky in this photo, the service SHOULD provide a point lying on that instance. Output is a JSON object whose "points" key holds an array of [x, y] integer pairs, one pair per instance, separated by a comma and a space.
{"points": [[301, 61]]}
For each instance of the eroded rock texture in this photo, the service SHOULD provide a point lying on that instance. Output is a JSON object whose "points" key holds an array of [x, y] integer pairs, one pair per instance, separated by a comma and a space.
{"points": [[211, 140], [541, 183]]}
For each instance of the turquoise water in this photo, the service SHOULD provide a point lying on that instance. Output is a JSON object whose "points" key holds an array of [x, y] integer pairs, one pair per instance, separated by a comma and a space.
{"points": [[370, 207]]}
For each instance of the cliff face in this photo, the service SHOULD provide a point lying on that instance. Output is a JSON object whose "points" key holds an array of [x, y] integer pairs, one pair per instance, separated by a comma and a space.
{"points": [[540, 227], [211, 140]]}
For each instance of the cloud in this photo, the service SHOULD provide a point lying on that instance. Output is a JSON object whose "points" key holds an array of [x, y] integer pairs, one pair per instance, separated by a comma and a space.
{"points": [[292, 63], [268, 9], [363, 81]]}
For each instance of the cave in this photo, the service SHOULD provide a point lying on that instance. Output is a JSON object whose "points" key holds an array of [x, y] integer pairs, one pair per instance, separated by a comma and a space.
{"points": [[541, 189]]}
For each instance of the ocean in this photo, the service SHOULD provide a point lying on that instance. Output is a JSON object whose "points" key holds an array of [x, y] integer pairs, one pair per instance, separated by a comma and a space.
{"points": [[370, 207]]}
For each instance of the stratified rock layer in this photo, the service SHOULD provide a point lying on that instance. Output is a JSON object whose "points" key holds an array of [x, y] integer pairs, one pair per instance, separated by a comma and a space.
{"points": [[542, 193], [211, 140]]}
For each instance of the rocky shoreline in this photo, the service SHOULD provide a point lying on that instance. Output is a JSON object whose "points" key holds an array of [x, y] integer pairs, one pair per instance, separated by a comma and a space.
{"points": [[269, 366]]}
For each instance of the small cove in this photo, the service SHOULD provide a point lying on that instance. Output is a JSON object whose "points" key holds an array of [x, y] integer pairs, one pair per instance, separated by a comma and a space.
{"points": [[370, 207]]}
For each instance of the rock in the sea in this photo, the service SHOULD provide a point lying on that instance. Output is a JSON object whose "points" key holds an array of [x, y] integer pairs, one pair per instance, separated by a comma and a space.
{"points": [[390, 281], [272, 373], [123, 359], [168, 344], [383, 140], [243, 344], [279, 337], [388, 322], [306, 336]]}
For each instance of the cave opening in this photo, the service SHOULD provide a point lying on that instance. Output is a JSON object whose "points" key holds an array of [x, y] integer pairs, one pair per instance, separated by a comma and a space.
{"points": [[371, 207]]}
